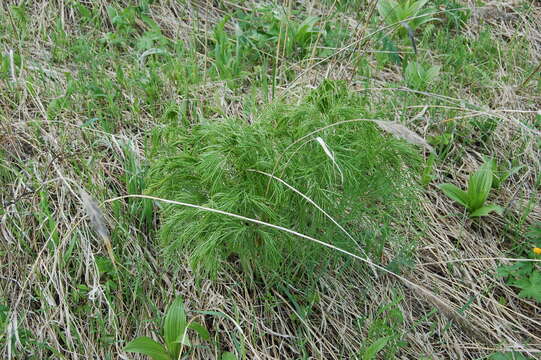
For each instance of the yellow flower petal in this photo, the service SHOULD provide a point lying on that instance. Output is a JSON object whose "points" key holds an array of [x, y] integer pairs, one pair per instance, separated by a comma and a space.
{"points": [[537, 251]]}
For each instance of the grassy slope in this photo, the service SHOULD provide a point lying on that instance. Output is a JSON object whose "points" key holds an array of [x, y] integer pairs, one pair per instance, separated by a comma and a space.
{"points": [[79, 109]]}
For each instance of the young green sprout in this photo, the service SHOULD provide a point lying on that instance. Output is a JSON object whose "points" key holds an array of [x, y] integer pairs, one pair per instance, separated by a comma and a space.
{"points": [[175, 334], [479, 186]]}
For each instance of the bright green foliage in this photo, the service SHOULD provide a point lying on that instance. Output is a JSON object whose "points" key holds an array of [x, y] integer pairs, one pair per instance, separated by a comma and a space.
{"points": [[372, 351], [501, 174], [407, 14], [147, 346], [479, 186], [535, 234], [385, 332], [275, 25], [393, 12], [526, 276], [456, 15], [229, 51], [140, 209], [419, 76], [175, 333], [530, 287], [352, 176], [4, 310]]}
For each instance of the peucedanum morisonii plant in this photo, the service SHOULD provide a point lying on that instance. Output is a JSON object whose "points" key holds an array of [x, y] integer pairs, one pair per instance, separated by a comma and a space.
{"points": [[352, 170]]}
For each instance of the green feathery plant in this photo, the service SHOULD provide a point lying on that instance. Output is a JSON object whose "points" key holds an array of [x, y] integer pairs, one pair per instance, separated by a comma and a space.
{"points": [[349, 168], [479, 186]]}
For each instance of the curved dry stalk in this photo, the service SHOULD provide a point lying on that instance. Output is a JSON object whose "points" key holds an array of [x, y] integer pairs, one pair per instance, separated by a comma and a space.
{"points": [[317, 207]]}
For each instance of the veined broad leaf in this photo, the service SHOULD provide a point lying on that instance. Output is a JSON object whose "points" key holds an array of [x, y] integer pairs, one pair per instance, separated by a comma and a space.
{"points": [[175, 326], [487, 209], [455, 193], [479, 186], [146, 346]]}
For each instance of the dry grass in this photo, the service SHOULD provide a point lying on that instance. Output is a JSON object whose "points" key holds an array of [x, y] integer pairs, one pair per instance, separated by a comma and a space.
{"points": [[47, 164]]}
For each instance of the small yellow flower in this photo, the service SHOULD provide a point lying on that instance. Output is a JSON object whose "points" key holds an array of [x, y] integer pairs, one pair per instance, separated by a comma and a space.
{"points": [[537, 251]]}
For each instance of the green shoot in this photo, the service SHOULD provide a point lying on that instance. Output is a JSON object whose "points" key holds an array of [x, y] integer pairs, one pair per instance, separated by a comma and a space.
{"points": [[175, 333], [408, 14], [419, 76], [479, 186]]}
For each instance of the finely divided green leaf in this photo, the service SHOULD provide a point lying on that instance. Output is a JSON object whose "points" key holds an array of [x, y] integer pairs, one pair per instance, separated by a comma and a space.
{"points": [[146, 346], [507, 356]]}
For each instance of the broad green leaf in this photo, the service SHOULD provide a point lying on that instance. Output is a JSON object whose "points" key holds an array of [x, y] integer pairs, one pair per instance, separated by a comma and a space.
{"points": [[455, 193], [426, 17], [228, 356], [433, 73], [417, 5], [487, 209], [200, 329], [479, 186], [174, 326], [146, 346], [531, 287], [371, 352], [387, 10], [517, 270]]}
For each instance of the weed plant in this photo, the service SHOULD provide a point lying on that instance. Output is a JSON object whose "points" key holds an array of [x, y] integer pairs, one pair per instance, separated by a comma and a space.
{"points": [[359, 175], [175, 334], [474, 198]]}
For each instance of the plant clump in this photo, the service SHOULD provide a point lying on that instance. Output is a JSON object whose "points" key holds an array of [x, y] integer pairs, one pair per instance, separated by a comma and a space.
{"points": [[364, 178]]}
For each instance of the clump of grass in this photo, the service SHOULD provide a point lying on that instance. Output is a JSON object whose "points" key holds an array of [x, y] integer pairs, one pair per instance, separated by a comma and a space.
{"points": [[350, 170]]}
